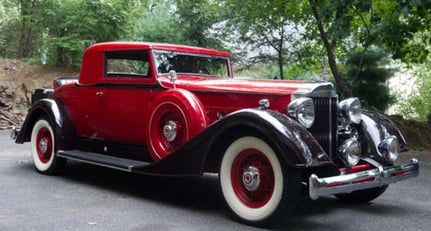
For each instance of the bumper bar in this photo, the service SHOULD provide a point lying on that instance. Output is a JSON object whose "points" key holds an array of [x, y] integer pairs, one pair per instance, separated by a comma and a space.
{"points": [[361, 180]]}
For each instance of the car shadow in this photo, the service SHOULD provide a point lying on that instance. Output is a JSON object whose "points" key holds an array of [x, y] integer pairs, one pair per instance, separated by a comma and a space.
{"points": [[203, 194]]}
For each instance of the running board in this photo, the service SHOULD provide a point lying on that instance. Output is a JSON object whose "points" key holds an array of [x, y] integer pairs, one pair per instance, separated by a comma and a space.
{"points": [[102, 160]]}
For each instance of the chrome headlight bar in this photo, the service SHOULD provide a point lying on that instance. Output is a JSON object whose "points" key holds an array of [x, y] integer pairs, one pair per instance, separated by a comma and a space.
{"points": [[302, 110], [351, 108]]}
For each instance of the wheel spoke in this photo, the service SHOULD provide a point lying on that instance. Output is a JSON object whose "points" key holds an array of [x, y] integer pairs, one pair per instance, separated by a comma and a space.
{"points": [[44, 145], [251, 196]]}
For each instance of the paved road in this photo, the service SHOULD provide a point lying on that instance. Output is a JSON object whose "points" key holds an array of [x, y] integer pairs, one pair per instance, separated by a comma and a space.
{"points": [[93, 198]]}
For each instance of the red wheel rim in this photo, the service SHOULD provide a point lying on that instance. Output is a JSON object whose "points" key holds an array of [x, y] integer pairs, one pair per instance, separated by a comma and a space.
{"points": [[262, 188], [168, 114], [44, 145]]}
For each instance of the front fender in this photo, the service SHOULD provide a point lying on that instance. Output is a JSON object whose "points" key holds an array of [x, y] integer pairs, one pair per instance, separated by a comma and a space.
{"points": [[375, 128], [54, 110], [294, 142]]}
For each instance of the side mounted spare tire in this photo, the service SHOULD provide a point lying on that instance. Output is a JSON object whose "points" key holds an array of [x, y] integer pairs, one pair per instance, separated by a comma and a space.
{"points": [[176, 116]]}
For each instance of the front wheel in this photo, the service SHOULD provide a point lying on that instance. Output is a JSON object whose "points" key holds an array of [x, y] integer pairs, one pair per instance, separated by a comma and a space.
{"points": [[257, 187], [43, 149]]}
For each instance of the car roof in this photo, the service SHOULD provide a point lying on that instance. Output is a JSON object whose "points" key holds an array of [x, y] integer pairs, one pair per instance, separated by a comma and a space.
{"points": [[119, 45]]}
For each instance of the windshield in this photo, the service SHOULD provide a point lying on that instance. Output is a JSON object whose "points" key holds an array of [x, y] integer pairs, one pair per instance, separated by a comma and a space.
{"points": [[191, 64]]}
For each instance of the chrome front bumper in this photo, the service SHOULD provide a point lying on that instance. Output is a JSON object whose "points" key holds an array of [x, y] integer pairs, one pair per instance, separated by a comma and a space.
{"points": [[361, 180]]}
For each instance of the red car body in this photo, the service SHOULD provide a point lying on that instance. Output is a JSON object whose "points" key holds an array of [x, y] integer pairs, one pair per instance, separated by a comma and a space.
{"points": [[167, 109]]}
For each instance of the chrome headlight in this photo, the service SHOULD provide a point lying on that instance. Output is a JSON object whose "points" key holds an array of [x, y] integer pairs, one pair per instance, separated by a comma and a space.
{"points": [[351, 151], [302, 110], [390, 148], [351, 108]]}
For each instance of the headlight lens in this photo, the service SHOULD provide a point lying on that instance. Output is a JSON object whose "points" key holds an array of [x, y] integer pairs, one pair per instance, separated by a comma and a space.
{"points": [[351, 151], [390, 148], [351, 108], [302, 110]]}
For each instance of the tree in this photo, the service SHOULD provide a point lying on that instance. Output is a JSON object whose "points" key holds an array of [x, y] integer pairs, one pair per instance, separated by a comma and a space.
{"points": [[9, 27], [331, 45], [73, 25], [366, 76], [29, 11], [267, 29], [357, 25], [158, 23], [196, 18]]}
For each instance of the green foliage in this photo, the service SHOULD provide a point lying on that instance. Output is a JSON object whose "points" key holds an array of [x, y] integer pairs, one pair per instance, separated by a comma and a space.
{"points": [[159, 24], [265, 29], [418, 105], [196, 18], [56, 32], [366, 75], [291, 72], [73, 25]]}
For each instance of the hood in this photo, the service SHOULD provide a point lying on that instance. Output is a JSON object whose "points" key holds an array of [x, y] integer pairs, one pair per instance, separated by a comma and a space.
{"points": [[251, 86]]}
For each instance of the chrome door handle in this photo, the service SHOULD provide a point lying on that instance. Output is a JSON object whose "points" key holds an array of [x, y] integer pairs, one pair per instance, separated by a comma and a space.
{"points": [[100, 93]]}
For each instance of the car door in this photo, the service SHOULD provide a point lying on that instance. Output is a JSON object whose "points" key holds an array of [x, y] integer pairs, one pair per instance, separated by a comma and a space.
{"points": [[124, 96]]}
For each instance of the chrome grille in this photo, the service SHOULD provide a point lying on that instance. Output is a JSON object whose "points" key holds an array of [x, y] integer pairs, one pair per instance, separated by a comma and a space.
{"points": [[324, 128]]}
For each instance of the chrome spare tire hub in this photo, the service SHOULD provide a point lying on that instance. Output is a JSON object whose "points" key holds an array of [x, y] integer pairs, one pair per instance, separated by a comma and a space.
{"points": [[250, 178], [170, 130], [43, 145]]}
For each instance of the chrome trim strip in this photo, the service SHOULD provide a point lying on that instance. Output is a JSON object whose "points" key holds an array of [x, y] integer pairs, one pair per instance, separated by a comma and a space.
{"points": [[351, 182], [331, 152]]}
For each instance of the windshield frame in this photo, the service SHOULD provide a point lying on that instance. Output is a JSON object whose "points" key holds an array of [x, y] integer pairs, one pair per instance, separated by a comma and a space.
{"points": [[199, 57]]}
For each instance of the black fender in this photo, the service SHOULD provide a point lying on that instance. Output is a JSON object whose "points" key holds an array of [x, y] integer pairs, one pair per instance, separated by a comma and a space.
{"points": [[374, 128], [59, 118], [203, 153]]}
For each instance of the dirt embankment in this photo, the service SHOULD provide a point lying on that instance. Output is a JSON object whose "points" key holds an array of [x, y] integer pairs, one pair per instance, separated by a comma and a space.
{"points": [[418, 135], [18, 80]]}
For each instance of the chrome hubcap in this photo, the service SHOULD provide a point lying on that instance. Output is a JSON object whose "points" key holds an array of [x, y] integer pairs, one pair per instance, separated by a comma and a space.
{"points": [[250, 178], [170, 130], [43, 145]]}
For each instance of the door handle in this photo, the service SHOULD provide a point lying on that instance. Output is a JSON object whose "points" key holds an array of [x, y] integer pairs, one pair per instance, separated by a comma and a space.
{"points": [[100, 93]]}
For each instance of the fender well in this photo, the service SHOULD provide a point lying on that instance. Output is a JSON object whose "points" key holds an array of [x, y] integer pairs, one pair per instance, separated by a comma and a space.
{"points": [[56, 113]]}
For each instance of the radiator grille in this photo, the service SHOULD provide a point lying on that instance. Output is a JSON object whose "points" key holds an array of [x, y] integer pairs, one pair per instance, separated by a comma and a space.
{"points": [[324, 128]]}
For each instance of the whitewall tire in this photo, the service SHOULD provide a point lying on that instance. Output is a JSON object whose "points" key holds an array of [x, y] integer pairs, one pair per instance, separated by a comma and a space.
{"points": [[254, 184], [43, 150]]}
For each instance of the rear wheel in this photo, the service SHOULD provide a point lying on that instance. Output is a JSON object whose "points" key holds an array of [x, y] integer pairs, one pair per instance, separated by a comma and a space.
{"points": [[257, 187], [43, 148]]}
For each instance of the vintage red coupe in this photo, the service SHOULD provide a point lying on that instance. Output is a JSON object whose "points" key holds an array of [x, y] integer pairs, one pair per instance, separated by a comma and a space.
{"points": [[174, 110]]}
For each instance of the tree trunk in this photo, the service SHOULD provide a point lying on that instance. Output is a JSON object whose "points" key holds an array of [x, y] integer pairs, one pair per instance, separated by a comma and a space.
{"points": [[280, 63], [28, 9], [344, 89]]}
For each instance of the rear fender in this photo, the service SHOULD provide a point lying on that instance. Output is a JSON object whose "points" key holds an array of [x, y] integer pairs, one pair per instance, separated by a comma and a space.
{"points": [[65, 135]]}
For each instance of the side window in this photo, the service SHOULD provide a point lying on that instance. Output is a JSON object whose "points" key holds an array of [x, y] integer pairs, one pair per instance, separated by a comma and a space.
{"points": [[127, 64]]}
